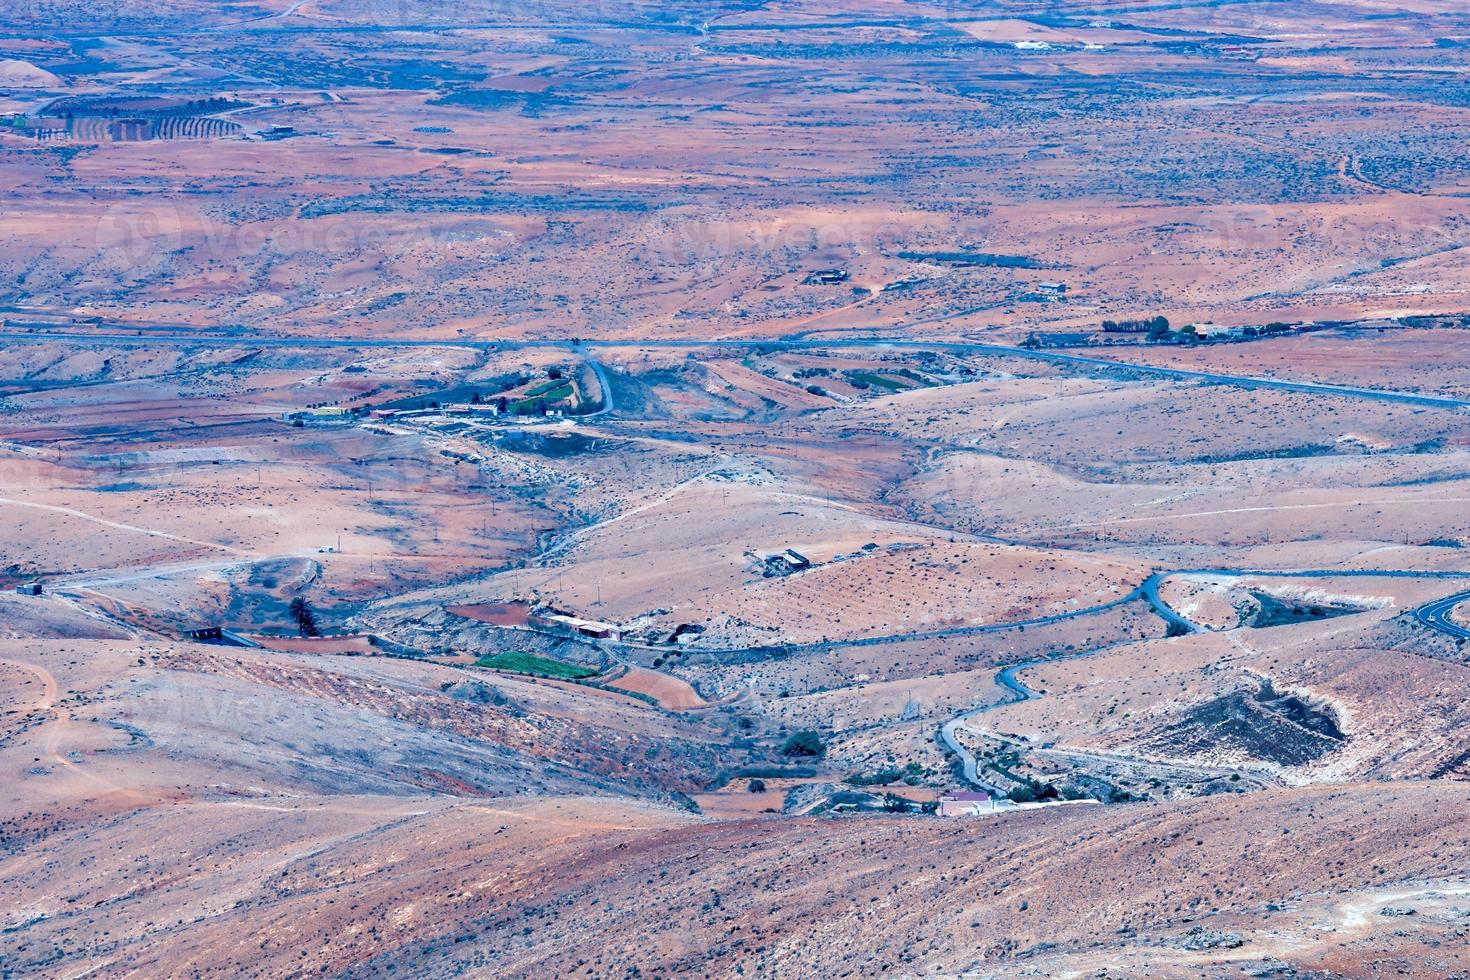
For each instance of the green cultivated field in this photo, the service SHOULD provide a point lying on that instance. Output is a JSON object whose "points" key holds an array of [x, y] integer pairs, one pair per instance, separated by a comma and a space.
{"points": [[868, 377], [529, 663]]}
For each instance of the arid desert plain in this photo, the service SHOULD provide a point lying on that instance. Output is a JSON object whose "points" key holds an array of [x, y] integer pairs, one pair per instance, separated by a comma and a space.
{"points": [[791, 489]]}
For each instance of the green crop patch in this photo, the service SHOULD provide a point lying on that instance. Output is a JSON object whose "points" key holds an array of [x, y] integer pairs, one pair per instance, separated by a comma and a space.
{"points": [[877, 380], [529, 663]]}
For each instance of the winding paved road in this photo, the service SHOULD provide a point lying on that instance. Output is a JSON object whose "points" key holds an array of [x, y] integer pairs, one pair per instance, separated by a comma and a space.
{"points": [[607, 393], [1234, 380], [263, 19], [1093, 364], [1436, 615], [1007, 679], [1148, 591]]}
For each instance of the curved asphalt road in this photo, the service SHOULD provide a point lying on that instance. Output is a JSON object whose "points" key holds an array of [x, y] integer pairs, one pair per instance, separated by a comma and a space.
{"points": [[1007, 679], [1095, 364], [607, 394], [1436, 615], [1234, 380], [1433, 614], [1147, 591]]}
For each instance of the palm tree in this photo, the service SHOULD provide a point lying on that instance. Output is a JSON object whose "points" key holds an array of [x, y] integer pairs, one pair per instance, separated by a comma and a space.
{"points": [[305, 618]]}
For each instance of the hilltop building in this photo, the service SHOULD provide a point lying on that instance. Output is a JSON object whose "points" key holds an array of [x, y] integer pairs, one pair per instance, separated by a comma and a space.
{"points": [[785, 563]]}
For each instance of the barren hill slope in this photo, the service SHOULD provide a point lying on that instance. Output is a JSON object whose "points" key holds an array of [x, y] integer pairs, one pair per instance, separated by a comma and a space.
{"points": [[365, 886]]}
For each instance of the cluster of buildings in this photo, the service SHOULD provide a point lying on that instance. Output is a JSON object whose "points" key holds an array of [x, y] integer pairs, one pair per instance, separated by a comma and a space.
{"points": [[459, 408], [322, 414], [1239, 52], [553, 620], [341, 413], [978, 803], [319, 413], [560, 622]]}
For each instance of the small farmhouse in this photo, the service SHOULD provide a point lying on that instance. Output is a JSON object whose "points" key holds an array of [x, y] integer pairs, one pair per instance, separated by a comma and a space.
{"points": [[966, 804]]}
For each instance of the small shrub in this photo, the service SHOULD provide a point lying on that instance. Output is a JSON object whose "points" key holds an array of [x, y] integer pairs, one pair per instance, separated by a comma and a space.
{"points": [[804, 742]]}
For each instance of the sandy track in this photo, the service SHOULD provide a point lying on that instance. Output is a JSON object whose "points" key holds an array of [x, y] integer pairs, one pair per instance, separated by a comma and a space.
{"points": [[48, 683], [1334, 505], [151, 532], [54, 734]]}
